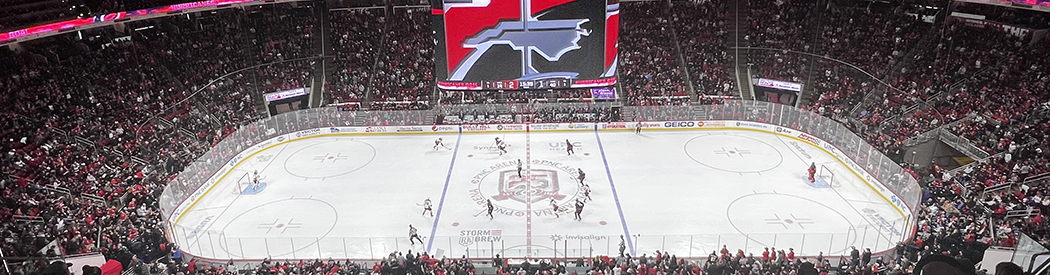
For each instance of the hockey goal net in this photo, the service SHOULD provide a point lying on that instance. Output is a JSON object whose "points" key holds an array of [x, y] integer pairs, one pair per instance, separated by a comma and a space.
{"points": [[825, 173], [244, 181]]}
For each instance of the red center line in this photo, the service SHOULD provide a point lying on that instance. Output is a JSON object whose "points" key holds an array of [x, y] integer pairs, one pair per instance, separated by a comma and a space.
{"points": [[528, 193]]}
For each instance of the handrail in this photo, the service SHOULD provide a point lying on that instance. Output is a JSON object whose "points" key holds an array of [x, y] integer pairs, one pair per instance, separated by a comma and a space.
{"points": [[1039, 177], [366, 100], [1023, 213], [30, 219], [824, 57], [680, 57], [962, 144], [895, 69], [138, 126], [996, 188], [1043, 267], [983, 160]]}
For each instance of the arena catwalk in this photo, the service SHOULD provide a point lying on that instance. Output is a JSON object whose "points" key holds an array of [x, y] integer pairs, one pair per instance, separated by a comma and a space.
{"points": [[684, 192]]}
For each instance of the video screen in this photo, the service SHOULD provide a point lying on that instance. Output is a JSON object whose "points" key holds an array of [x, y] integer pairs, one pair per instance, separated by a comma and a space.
{"points": [[525, 44]]}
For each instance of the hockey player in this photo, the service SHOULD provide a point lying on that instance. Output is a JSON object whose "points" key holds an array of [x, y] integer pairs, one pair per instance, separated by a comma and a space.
{"points": [[502, 148], [554, 204], [587, 191], [427, 208], [255, 180], [498, 141], [637, 130], [622, 246], [489, 202], [579, 209], [812, 171], [440, 143], [413, 236], [519, 168], [580, 175], [568, 147]]}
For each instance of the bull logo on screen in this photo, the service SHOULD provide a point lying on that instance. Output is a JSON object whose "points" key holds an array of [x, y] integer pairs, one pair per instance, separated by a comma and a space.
{"points": [[529, 40], [541, 184]]}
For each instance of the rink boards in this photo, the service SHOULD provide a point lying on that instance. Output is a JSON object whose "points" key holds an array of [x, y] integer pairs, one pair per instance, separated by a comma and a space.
{"points": [[224, 174]]}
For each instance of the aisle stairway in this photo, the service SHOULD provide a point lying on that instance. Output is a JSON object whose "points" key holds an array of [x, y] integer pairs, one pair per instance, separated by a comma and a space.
{"points": [[367, 101], [679, 55], [816, 46], [906, 63], [738, 29], [318, 96]]}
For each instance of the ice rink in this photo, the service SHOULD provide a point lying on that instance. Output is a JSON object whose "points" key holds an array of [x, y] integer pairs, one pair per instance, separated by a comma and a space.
{"points": [[684, 192]]}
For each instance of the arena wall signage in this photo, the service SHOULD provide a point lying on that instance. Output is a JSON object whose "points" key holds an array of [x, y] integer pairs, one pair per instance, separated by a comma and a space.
{"points": [[284, 94], [979, 22], [111, 18], [782, 85]]}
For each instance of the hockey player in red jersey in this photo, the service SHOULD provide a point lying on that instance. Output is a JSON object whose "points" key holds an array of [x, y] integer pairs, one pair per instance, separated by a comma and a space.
{"points": [[812, 171], [568, 147], [586, 191], [554, 204]]}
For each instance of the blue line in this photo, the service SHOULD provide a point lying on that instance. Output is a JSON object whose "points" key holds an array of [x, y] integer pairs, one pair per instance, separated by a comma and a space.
{"points": [[616, 197], [441, 204]]}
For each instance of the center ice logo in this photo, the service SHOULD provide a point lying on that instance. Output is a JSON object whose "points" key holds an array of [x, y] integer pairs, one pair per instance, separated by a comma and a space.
{"points": [[541, 184], [540, 181]]}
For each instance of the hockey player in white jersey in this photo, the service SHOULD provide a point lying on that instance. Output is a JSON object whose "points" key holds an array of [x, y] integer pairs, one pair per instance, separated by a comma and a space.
{"points": [[439, 143], [427, 208]]}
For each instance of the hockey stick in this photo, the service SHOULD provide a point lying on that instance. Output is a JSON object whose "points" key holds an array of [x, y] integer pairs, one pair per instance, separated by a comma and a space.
{"points": [[479, 213]]}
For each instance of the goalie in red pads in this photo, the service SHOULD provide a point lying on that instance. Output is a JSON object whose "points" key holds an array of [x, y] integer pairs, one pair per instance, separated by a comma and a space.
{"points": [[812, 171]]}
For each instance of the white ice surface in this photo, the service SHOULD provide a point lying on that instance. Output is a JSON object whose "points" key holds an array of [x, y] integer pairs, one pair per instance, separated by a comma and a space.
{"points": [[686, 192]]}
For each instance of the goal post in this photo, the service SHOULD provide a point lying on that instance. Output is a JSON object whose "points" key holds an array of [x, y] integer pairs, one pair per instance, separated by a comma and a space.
{"points": [[827, 175], [243, 182]]}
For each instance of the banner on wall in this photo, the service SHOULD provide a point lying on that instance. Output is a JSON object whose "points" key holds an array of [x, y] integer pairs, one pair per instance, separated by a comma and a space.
{"points": [[56, 27]]}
